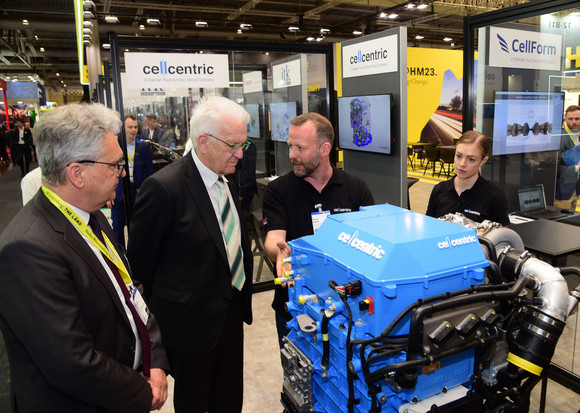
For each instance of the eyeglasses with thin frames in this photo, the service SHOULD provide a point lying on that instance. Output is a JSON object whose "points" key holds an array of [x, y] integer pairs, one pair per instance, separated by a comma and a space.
{"points": [[233, 147], [120, 165]]}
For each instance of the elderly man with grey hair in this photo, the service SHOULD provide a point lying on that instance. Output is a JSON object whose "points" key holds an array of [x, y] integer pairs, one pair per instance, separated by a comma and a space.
{"points": [[195, 262], [78, 333]]}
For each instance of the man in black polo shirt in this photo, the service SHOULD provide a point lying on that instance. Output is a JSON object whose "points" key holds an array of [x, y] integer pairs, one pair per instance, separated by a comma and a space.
{"points": [[295, 203]]}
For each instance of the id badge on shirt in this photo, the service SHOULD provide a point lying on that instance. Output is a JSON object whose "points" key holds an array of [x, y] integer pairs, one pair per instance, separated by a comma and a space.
{"points": [[139, 304], [318, 218]]}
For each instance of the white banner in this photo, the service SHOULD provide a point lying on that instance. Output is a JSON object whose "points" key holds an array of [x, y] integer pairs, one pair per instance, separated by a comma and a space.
{"points": [[169, 70], [371, 57], [523, 49], [252, 81], [286, 74]]}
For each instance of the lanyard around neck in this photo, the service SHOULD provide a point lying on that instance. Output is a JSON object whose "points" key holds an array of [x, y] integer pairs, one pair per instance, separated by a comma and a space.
{"points": [[88, 232], [570, 134]]}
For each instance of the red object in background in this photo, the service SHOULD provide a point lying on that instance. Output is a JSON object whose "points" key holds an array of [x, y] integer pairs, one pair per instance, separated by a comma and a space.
{"points": [[3, 86]]}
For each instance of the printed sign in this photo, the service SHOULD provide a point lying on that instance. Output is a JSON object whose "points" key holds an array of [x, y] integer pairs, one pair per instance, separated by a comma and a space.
{"points": [[286, 74], [524, 49], [371, 57], [252, 81], [171, 70]]}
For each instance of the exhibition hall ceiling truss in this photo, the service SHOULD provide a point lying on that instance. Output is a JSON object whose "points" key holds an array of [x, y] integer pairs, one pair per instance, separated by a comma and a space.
{"points": [[39, 37]]}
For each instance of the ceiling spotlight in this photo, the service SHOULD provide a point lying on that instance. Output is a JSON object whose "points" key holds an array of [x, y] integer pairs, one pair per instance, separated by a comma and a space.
{"points": [[324, 31], [357, 32], [419, 37], [319, 39], [106, 46], [153, 22], [447, 39], [86, 37], [57, 74], [88, 31], [87, 15], [87, 42], [200, 24], [382, 15], [88, 4], [410, 6], [245, 26], [239, 31], [141, 27], [111, 19], [88, 24], [293, 29], [35, 37], [42, 49], [310, 38], [422, 5], [25, 22], [452, 44], [393, 16]]}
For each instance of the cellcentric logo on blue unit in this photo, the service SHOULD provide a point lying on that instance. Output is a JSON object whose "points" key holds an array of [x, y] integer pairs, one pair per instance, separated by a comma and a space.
{"points": [[526, 46]]}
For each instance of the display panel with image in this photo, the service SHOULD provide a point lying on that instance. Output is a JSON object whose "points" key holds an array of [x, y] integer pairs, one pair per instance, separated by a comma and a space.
{"points": [[254, 123], [364, 123], [527, 122], [280, 116]]}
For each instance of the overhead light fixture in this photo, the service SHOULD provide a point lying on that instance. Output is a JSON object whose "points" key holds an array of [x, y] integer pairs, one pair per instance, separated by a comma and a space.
{"points": [[35, 37], [88, 24], [382, 15], [25, 22], [324, 31], [141, 27], [87, 42], [419, 37], [111, 19], [88, 4], [57, 74], [452, 44], [310, 38], [422, 6], [357, 32], [410, 6], [200, 24], [42, 49], [245, 26], [88, 31], [86, 37], [153, 22], [293, 29], [393, 16], [106, 46], [87, 15], [447, 39], [239, 31]]}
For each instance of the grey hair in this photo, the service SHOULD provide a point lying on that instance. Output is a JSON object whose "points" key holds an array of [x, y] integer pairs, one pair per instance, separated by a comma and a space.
{"points": [[211, 113], [70, 134]]}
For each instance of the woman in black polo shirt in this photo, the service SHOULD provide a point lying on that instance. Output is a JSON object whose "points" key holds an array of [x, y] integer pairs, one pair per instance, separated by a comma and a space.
{"points": [[468, 192]]}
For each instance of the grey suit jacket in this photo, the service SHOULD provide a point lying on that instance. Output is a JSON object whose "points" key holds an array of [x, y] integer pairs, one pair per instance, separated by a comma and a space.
{"points": [[176, 247], [69, 342]]}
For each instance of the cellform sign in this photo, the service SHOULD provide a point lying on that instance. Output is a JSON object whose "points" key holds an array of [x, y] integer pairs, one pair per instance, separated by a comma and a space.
{"points": [[524, 49], [171, 70], [370, 57]]}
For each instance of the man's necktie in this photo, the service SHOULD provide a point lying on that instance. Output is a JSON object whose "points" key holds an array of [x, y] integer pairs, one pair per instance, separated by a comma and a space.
{"points": [[232, 235], [141, 327]]}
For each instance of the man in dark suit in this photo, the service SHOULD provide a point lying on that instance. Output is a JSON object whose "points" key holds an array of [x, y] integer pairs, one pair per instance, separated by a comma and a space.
{"points": [[187, 245], [78, 334], [20, 141], [140, 167], [153, 132]]}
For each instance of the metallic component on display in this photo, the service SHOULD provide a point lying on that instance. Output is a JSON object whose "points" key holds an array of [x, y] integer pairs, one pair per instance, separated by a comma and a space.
{"points": [[449, 317]]}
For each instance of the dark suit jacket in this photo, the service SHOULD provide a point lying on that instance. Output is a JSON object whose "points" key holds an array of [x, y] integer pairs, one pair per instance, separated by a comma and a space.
{"points": [[13, 136], [69, 341], [156, 135], [142, 168], [176, 247]]}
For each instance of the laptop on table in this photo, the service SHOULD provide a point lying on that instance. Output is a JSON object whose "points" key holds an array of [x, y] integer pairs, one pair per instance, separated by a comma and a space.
{"points": [[533, 204]]}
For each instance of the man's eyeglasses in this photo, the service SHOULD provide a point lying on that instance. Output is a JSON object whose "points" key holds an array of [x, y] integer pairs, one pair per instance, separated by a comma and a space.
{"points": [[120, 165], [233, 147]]}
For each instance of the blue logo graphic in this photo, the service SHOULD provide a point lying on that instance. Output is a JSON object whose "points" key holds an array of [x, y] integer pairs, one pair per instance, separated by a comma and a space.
{"points": [[503, 44]]}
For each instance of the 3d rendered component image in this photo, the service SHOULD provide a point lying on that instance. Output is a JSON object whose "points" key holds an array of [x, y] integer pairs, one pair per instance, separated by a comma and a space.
{"points": [[395, 311]]}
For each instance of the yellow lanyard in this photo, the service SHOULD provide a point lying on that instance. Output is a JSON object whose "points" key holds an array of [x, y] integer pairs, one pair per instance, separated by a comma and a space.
{"points": [[88, 232], [131, 156], [569, 133]]}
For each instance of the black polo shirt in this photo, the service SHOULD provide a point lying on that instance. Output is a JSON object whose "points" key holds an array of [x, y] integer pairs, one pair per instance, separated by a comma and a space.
{"points": [[483, 201], [289, 202]]}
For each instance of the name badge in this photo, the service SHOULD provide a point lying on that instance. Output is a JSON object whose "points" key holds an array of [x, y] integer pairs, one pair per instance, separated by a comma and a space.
{"points": [[139, 304], [318, 218]]}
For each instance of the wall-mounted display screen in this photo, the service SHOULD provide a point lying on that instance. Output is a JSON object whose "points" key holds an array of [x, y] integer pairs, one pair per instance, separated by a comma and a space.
{"points": [[364, 123], [254, 124], [527, 122], [280, 116]]}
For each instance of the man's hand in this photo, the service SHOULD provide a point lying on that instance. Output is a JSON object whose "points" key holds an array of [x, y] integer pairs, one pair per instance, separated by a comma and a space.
{"points": [[284, 251], [158, 383]]}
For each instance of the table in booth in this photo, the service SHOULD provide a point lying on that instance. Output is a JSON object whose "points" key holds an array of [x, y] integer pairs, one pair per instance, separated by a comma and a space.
{"points": [[549, 239]]}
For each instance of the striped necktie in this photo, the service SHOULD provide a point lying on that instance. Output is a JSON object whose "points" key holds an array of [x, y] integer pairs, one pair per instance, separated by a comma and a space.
{"points": [[232, 236]]}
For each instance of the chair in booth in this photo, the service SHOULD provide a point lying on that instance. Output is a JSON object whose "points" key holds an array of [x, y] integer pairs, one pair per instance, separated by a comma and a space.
{"points": [[447, 157], [258, 236], [410, 157], [432, 157], [419, 153]]}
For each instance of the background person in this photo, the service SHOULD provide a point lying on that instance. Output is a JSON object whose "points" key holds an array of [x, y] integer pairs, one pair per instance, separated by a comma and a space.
{"points": [[20, 140], [290, 200], [140, 167], [468, 192], [153, 132], [567, 182], [79, 337], [195, 261]]}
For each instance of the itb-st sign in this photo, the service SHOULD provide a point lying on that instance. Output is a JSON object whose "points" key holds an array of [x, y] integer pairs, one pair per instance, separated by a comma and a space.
{"points": [[171, 70], [524, 49]]}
